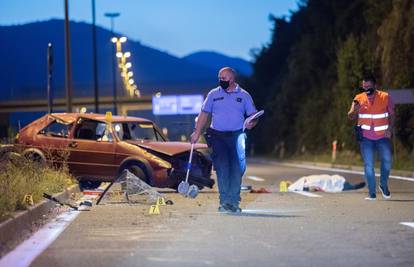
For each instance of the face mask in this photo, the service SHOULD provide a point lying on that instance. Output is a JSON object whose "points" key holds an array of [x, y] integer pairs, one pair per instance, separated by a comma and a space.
{"points": [[369, 91], [224, 84]]}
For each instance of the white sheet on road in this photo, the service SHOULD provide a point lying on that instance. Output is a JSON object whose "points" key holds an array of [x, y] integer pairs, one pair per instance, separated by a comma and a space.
{"points": [[319, 182]]}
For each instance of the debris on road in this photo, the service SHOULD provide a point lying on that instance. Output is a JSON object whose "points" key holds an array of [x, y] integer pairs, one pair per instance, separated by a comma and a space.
{"points": [[47, 196], [260, 191], [130, 188]]}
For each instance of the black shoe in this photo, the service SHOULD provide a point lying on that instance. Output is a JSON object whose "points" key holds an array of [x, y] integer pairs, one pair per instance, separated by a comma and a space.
{"points": [[225, 208], [371, 197], [385, 192], [235, 209]]}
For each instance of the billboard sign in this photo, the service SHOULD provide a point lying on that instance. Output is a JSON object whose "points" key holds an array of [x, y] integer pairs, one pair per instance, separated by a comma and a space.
{"points": [[177, 104]]}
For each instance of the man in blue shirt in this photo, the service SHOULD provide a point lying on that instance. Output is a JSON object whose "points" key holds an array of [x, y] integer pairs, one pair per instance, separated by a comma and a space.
{"points": [[228, 105]]}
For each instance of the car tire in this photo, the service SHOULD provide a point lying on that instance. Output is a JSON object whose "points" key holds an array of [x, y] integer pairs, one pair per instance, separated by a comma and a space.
{"points": [[35, 157], [138, 172]]}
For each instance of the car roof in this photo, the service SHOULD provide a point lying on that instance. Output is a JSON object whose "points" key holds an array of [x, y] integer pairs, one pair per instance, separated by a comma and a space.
{"points": [[70, 117]]}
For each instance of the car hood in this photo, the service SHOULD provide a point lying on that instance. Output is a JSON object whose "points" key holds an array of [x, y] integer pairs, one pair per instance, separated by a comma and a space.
{"points": [[168, 148]]}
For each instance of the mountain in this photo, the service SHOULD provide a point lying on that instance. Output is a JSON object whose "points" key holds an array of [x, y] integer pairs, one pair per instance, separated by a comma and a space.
{"points": [[216, 61], [23, 63]]}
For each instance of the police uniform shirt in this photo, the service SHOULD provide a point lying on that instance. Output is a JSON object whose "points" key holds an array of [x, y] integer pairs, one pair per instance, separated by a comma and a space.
{"points": [[228, 109]]}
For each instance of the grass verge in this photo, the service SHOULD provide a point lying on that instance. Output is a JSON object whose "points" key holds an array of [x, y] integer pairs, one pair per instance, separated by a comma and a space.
{"points": [[20, 176]]}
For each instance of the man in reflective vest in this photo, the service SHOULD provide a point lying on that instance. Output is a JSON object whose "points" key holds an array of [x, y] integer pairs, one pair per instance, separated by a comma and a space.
{"points": [[374, 110]]}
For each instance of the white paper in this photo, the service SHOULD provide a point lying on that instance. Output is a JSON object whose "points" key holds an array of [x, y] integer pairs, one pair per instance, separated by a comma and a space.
{"points": [[252, 117]]}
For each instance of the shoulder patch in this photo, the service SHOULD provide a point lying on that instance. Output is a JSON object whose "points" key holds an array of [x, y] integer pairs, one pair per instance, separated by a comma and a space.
{"points": [[239, 99]]}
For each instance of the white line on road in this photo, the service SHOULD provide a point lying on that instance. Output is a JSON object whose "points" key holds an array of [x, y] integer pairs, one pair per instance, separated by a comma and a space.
{"points": [[271, 211], [410, 224], [342, 170], [304, 193], [255, 178], [27, 251]]}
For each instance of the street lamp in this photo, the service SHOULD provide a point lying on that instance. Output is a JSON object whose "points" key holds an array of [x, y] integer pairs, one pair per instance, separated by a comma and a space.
{"points": [[112, 16], [123, 65]]}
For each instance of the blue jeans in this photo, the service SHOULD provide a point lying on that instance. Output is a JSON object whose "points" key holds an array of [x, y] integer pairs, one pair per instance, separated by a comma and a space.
{"points": [[228, 166], [368, 148]]}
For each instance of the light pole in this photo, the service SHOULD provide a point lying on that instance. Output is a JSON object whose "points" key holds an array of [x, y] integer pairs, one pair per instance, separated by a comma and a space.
{"points": [[49, 78], [95, 59], [112, 16], [68, 78]]}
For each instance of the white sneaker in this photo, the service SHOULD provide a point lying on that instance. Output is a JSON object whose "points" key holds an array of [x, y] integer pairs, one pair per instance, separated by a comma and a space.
{"points": [[371, 197], [385, 192]]}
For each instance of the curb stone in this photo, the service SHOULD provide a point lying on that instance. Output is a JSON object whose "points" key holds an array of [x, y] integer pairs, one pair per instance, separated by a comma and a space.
{"points": [[23, 223]]}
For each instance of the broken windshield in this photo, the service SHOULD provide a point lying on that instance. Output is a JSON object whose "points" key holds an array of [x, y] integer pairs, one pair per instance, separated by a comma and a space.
{"points": [[136, 131]]}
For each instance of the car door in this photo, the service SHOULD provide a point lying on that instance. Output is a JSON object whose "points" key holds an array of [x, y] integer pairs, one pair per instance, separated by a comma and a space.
{"points": [[53, 141], [92, 150]]}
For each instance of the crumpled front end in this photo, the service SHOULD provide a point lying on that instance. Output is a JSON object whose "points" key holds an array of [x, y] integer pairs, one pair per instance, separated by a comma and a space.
{"points": [[200, 172]]}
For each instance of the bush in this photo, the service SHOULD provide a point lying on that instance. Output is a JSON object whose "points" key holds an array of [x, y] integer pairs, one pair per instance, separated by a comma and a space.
{"points": [[20, 176]]}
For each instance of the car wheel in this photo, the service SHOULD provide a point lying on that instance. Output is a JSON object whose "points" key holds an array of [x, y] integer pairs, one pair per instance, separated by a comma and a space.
{"points": [[138, 172], [35, 157]]}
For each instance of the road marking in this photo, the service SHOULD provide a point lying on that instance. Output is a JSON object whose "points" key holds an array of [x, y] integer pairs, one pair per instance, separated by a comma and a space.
{"points": [[271, 211], [304, 193], [255, 178], [343, 171], [410, 224], [26, 252]]}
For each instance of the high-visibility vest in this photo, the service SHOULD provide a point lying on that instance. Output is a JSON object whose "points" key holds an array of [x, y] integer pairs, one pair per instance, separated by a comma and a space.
{"points": [[373, 116]]}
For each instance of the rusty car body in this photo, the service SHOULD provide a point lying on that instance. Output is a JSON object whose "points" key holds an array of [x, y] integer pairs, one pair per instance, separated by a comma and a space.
{"points": [[99, 147]]}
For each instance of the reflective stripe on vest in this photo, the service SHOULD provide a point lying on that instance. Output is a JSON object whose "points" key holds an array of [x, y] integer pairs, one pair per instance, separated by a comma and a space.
{"points": [[373, 116], [381, 128], [365, 127]]}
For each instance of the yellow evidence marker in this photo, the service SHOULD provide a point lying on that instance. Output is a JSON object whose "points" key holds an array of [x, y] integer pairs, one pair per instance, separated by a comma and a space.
{"points": [[154, 210], [283, 186], [108, 116], [28, 199], [160, 201]]}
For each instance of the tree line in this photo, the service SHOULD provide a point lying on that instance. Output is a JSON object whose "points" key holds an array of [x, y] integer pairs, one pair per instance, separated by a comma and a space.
{"points": [[308, 74]]}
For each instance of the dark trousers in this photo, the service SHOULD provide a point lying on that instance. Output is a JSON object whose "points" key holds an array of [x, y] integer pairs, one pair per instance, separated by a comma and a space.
{"points": [[227, 163]]}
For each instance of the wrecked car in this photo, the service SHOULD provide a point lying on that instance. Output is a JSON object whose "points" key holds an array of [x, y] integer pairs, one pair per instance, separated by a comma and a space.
{"points": [[99, 147]]}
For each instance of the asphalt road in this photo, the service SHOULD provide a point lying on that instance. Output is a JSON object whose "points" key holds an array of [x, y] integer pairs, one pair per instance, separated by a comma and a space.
{"points": [[276, 229]]}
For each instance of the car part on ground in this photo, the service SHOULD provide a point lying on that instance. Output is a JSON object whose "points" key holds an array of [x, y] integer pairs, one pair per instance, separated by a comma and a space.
{"points": [[132, 188], [47, 196]]}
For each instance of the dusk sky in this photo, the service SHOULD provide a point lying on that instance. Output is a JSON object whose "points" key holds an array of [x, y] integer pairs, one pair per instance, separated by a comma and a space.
{"points": [[180, 27]]}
